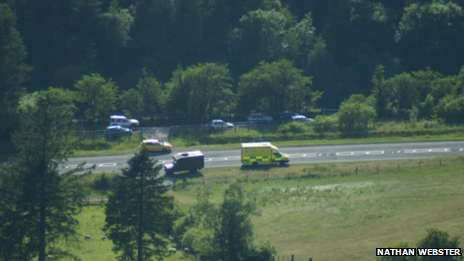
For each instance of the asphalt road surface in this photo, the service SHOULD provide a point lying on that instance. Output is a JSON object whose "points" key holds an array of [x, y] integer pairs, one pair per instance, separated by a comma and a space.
{"points": [[298, 154]]}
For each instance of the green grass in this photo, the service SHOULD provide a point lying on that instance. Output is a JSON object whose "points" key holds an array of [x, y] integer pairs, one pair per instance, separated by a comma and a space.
{"points": [[380, 132], [330, 211]]}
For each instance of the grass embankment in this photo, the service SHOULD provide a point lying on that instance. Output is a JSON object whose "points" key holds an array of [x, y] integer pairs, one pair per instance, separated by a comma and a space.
{"points": [[328, 211], [299, 133]]}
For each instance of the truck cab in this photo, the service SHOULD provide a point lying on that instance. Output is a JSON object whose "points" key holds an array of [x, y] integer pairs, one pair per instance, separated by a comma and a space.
{"points": [[186, 161]]}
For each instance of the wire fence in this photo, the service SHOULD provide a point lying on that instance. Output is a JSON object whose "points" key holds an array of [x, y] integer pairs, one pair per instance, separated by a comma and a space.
{"points": [[264, 174]]}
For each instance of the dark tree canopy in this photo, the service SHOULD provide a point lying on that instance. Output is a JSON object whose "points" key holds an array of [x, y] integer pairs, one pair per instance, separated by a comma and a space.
{"points": [[139, 214]]}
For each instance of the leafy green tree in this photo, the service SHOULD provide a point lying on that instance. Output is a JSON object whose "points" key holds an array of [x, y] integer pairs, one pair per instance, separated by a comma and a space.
{"points": [[382, 97], [116, 24], [436, 238], [426, 108], [355, 115], [13, 70], [275, 87], [437, 24], [153, 97], [200, 93], [155, 38], [302, 39], [131, 102], [323, 124], [38, 202], [229, 231], [404, 93], [139, 214], [260, 37], [98, 95], [451, 109]]}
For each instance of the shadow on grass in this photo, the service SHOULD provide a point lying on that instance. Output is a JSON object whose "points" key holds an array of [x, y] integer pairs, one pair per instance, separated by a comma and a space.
{"points": [[262, 167], [185, 175]]}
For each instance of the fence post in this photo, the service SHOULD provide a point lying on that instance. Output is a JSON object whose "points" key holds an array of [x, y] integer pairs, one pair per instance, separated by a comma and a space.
{"points": [[377, 169], [420, 164], [356, 170], [292, 257], [310, 259], [440, 162], [398, 166]]}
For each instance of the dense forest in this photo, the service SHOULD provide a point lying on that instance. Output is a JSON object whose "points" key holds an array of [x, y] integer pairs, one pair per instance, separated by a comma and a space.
{"points": [[187, 61]]}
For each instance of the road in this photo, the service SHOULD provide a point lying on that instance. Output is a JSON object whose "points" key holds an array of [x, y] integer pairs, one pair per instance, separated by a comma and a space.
{"points": [[298, 154]]}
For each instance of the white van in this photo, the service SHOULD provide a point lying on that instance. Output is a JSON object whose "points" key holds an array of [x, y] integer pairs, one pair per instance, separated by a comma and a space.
{"points": [[123, 121]]}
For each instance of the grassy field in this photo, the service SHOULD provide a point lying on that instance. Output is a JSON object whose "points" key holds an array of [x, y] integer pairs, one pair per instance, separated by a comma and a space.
{"points": [[327, 211]]}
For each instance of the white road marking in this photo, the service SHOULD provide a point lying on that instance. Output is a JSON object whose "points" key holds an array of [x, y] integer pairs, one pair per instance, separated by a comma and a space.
{"points": [[302, 155], [232, 158], [209, 159], [427, 150], [357, 153], [107, 165]]}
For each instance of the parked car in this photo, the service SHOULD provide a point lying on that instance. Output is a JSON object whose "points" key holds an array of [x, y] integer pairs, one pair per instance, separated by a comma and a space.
{"points": [[287, 116], [153, 145], [115, 132], [123, 121], [220, 125], [259, 118]]}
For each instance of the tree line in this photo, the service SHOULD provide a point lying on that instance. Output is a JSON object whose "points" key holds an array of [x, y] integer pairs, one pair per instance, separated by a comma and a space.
{"points": [[332, 49]]}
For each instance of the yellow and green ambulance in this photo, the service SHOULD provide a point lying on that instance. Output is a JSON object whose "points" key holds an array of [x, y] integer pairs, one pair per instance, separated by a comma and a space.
{"points": [[262, 153]]}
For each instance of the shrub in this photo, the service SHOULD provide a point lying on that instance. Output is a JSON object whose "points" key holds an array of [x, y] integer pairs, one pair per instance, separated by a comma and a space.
{"points": [[355, 116], [324, 124], [101, 183], [293, 127]]}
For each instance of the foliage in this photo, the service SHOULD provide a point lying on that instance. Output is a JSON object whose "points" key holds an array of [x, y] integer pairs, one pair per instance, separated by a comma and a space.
{"points": [[139, 215], [13, 70], [436, 23], [131, 102], [98, 95], [38, 202], [152, 97], [436, 238], [200, 93], [102, 183], [323, 123], [451, 109], [228, 231], [355, 115], [275, 87], [259, 37], [293, 127]]}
